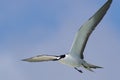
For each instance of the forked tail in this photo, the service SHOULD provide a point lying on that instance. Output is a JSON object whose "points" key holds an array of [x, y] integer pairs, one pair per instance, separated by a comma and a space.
{"points": [[89, 66]]}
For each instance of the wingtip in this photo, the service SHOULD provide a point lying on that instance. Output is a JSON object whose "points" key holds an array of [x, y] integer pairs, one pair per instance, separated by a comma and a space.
{"points": [[110, 1], [24, 60], [27, 60]]}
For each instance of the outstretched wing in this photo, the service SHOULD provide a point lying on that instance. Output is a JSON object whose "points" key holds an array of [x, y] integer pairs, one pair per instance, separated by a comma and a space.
{"points": [[84, 32], [41, 58]]}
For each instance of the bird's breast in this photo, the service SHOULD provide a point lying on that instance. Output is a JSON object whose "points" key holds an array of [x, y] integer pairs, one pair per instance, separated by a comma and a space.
{"points": [[71, 61]]}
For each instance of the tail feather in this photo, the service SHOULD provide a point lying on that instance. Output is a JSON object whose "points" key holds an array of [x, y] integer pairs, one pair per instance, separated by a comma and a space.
{"points": [[90, 66], [94, 66]]}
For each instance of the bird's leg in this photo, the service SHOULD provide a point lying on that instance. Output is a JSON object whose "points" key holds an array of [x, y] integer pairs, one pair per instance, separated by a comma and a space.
{"points": [[78, 70]]}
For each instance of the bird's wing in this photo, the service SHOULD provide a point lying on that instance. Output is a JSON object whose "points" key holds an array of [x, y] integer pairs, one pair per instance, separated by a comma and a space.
{"points": [[84, 32], [41, 58]]}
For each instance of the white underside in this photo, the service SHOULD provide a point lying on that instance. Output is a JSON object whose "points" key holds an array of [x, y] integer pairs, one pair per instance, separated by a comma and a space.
{"points": [[71, 61]]}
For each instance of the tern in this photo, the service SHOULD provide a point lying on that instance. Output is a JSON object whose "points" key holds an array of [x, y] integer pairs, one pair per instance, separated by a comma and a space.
{"points": [[75, 57]]}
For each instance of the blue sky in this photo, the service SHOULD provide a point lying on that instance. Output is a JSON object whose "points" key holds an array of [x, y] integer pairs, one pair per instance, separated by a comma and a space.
{"points": [[33, 27]]}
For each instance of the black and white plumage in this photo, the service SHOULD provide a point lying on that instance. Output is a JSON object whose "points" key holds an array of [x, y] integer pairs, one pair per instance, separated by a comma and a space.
{"points": [[75, 57]]}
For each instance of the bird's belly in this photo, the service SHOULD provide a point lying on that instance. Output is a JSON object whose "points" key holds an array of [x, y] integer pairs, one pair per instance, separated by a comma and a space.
{"points": [[72, 62]]}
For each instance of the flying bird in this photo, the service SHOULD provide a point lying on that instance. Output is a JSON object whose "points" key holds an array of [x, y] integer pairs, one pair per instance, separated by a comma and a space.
{"points": [[75, 57]]}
